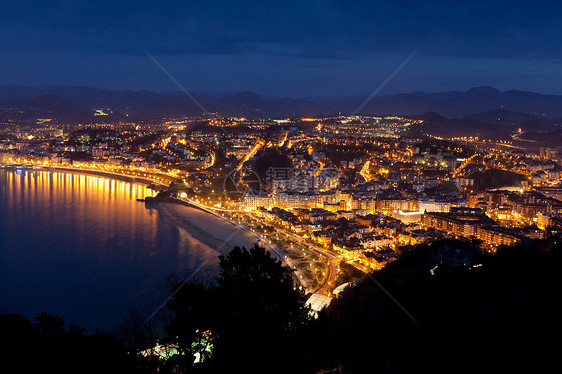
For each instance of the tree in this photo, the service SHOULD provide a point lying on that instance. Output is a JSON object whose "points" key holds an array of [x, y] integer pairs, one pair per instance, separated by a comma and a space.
{"points": [[271, 158], [250, 317], [138, 329], [497, 314], [255, 289], [45, 346], [260, 312], [192, 308], [47, 323]]}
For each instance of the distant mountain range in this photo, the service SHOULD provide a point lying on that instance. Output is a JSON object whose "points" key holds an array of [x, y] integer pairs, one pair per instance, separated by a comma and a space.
{"points": [[478, 105]]}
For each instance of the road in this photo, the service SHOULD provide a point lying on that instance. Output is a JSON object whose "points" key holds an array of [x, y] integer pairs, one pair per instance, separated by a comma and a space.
{"points": [[332, 260], [365, 171], [463, 165], [251, 154], [260, 239]]}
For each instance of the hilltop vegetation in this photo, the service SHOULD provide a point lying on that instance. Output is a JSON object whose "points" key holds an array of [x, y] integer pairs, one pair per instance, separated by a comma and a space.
{"points": [[493, 178], [498, 314], [425, 312]]}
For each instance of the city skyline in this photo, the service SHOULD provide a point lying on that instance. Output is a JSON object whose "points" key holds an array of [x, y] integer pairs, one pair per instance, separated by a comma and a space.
{"points": [[280, 187]]}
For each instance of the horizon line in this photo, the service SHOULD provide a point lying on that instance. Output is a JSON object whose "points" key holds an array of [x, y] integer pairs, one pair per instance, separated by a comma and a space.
{"points": [[242, 91]]}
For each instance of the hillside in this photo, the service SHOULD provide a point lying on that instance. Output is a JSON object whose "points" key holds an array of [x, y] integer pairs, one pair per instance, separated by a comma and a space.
{"points": [[477, 106]]}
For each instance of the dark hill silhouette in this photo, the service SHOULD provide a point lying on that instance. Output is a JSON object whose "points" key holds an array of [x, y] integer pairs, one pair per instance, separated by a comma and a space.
{"points": [[448, 317], [430, 116], [152, 105], [506, 118], [42, 106]]}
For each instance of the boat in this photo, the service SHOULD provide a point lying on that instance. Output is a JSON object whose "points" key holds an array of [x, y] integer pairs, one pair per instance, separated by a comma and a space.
{"points": [[141, 200]]}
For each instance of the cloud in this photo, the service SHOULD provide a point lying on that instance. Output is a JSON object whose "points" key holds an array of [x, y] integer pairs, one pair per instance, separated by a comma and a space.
{"points": [[279, 75], [323, 28]]}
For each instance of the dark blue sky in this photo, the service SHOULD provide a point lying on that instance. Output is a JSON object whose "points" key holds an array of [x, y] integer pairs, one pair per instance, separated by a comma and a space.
{"points": [[290, 48]]}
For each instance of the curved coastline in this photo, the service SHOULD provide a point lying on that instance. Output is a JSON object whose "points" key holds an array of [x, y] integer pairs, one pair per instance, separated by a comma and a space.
{"points": [[79, 245], [99, 173], [211, 229], [214, 231], [225, 232], [276, 252], [206, 234]]}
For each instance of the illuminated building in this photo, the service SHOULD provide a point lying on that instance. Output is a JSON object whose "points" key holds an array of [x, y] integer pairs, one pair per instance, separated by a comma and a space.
{"points": [[497, 235], [460, 222], [255, 201], [407, 216], [438, 160], [441, 204]]}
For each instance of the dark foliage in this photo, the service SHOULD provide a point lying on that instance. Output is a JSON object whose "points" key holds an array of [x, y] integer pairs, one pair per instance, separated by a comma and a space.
{"points": [[252, 316], [493, 178], [47, 347], [271, 158], [425, 312], [348, 273], [501, 316]]}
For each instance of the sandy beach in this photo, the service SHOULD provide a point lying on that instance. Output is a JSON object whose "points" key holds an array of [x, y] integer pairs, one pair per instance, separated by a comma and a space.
{"points": [[213, 231], [210, 235]]}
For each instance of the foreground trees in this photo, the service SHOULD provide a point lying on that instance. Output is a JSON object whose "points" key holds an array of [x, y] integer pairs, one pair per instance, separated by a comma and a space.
{"points": [[427, 311], [443, 307], [499, 313], [45, 345], [247, 322]]}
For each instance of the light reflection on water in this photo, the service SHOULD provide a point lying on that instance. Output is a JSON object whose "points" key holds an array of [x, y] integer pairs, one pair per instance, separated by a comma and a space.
{"points": [[82, 246]]}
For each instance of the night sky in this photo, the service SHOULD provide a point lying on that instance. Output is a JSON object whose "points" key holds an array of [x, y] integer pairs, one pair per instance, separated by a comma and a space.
{"points": [[288, 48]]}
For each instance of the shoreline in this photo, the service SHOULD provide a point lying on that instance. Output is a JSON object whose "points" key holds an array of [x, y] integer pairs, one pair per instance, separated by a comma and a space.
{"points": [[276, 252], [208, 228], [107, 174], [223, 232], [214, 231], [98, 173], [102, 246]]}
